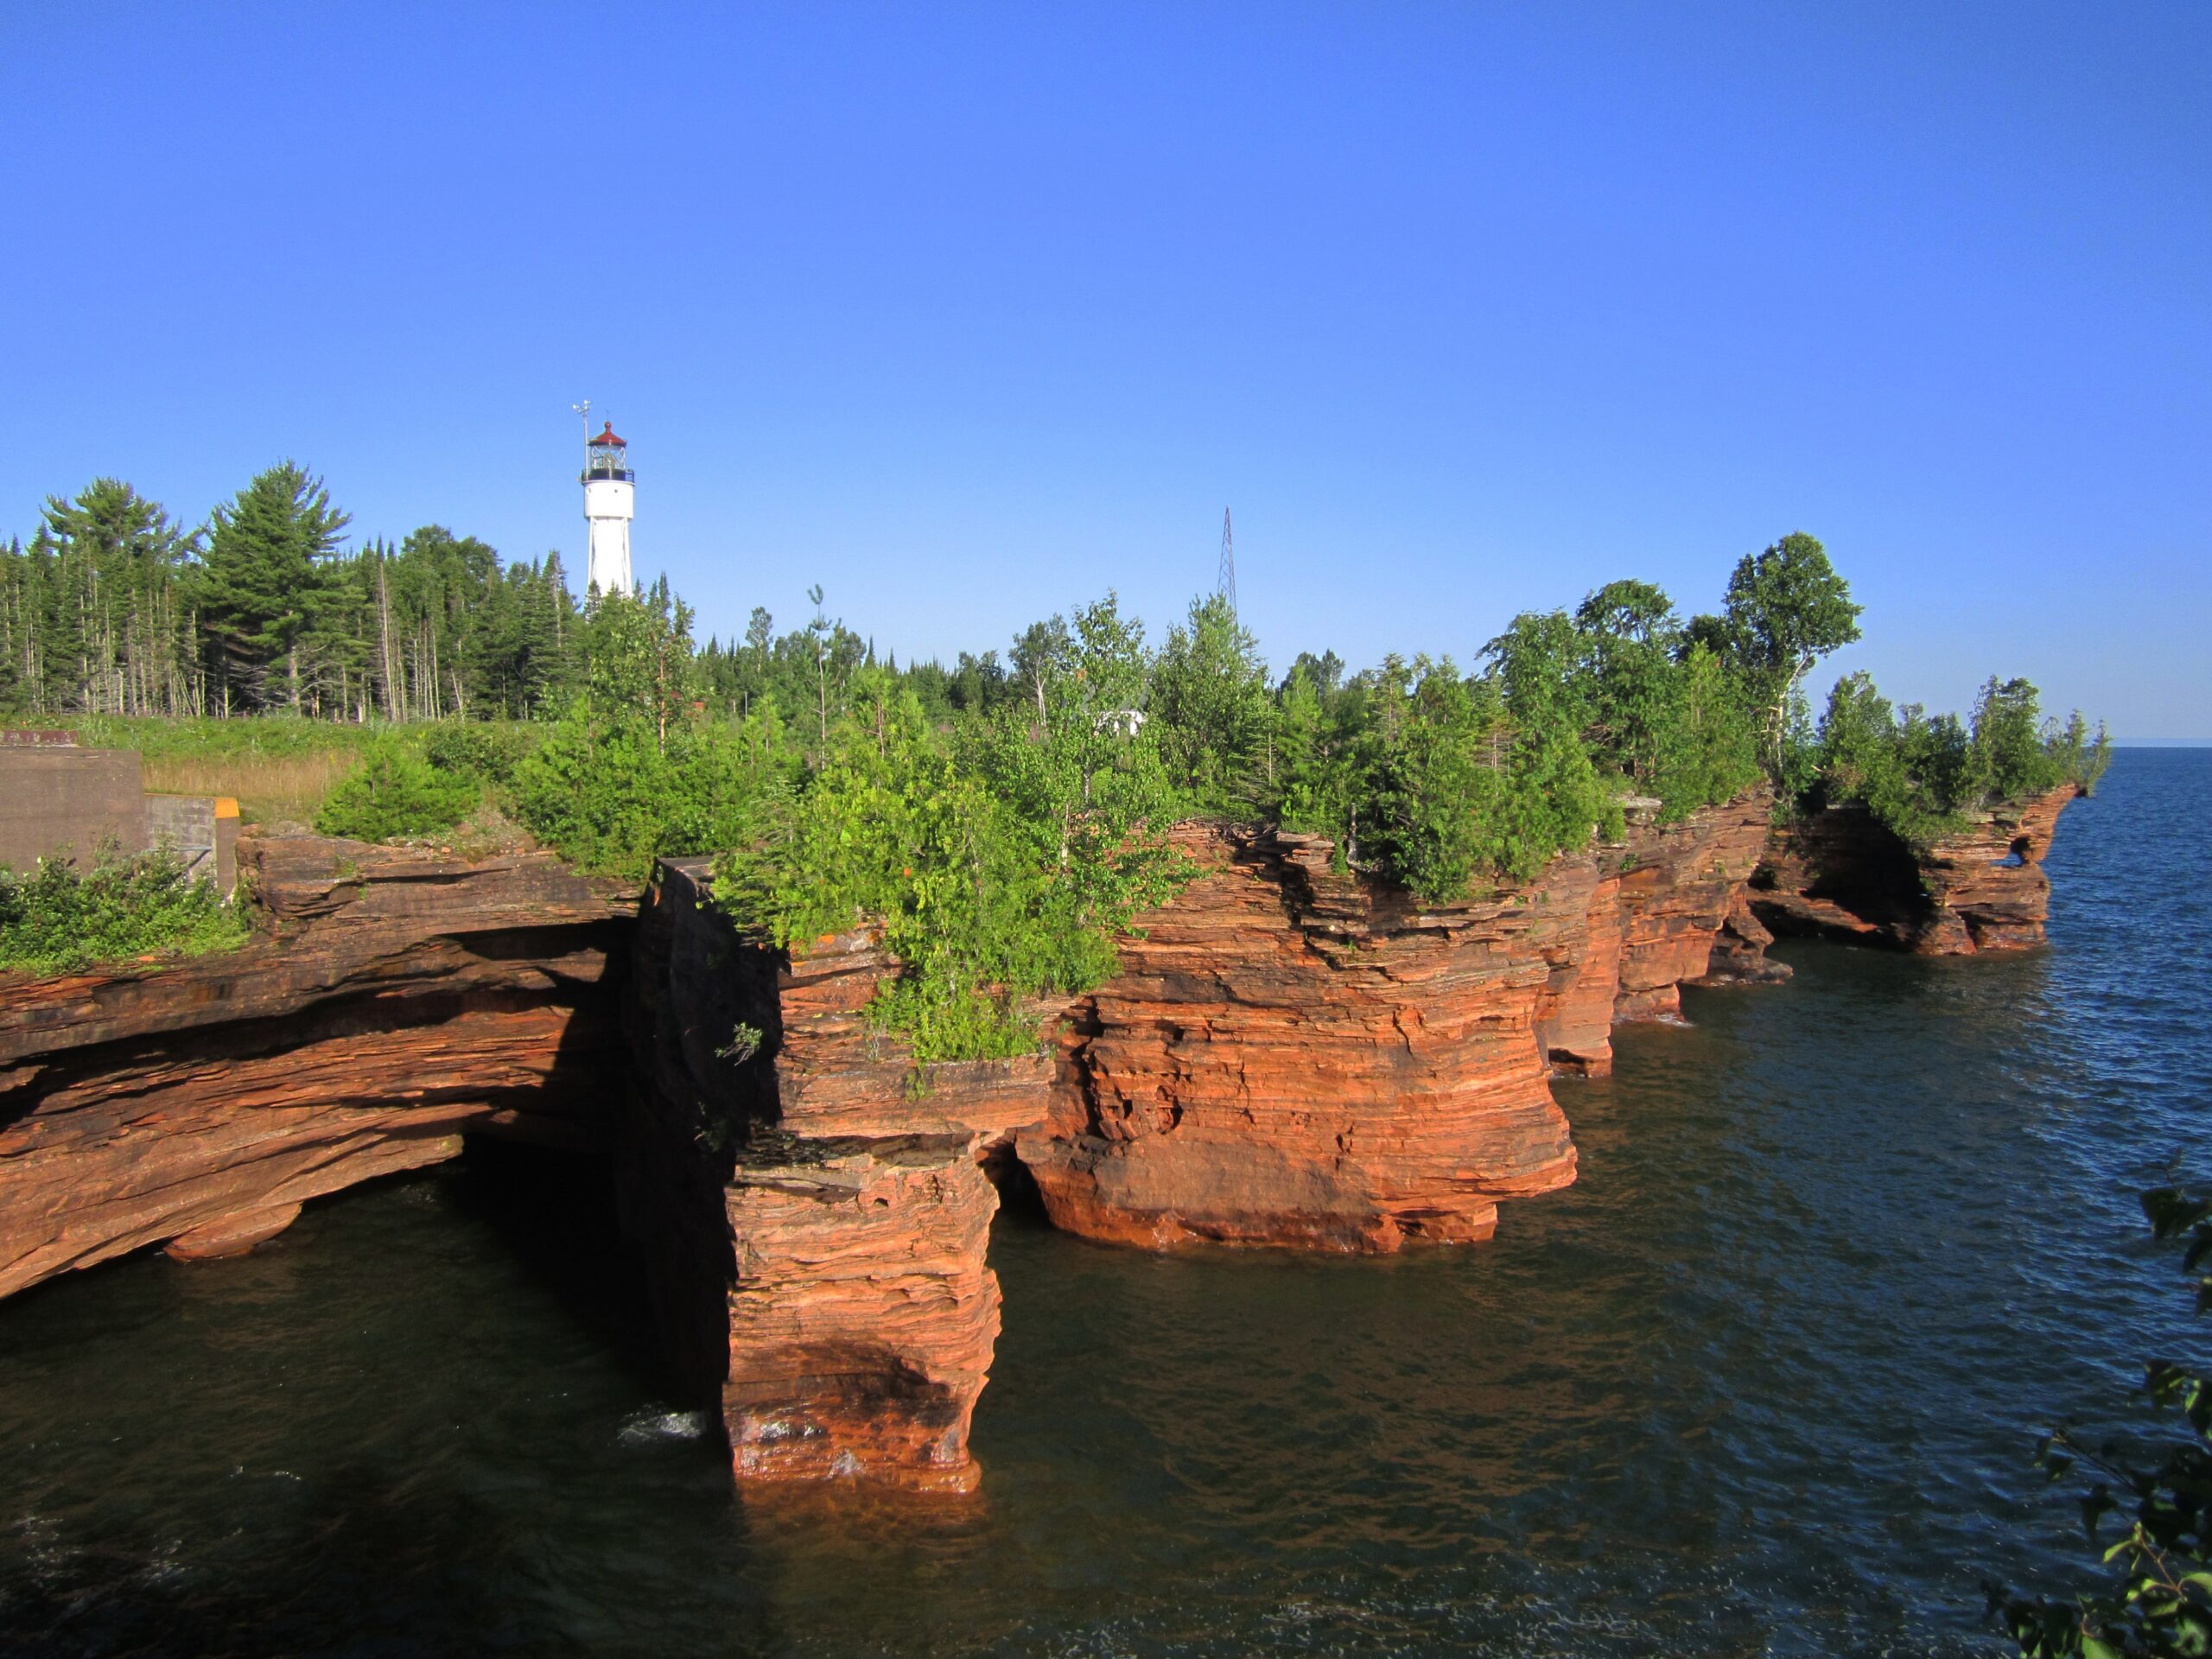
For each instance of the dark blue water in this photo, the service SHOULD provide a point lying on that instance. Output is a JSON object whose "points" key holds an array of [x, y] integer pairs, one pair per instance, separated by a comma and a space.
{"points": [[1765, 1381]]}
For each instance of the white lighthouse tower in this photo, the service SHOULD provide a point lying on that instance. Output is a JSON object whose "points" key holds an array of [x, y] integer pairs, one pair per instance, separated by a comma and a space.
{"points": [[610, 502]]}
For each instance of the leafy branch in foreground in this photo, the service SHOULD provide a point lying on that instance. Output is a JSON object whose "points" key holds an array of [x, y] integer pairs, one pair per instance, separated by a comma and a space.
{"points": [[2157, 1603]]}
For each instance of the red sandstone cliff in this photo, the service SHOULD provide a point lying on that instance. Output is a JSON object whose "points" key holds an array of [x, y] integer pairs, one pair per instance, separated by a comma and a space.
{"points": [[1290, 1056], [401, 998], [1841, 874], [850, 1329], [1287, 1057]]}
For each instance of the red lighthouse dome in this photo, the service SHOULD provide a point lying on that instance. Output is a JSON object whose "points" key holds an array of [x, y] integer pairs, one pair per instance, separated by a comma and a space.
{"points": [[607, 455]]}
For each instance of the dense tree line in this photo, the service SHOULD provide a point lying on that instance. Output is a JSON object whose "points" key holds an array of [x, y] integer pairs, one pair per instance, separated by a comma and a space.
{"points": [[1412, 767], [1005, 813], [1003, 817], [114, 608]]}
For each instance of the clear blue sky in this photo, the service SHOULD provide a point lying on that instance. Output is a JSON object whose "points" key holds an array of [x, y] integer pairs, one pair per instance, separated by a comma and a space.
{"points": [[970, 312]]}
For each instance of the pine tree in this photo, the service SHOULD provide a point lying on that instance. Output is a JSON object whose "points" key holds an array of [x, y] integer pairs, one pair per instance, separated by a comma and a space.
{"points": [[118, 557], [263, 585]]}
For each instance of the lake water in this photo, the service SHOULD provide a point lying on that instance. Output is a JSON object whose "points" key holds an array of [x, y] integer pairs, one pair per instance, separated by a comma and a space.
{"points": [[1766, 1380]]}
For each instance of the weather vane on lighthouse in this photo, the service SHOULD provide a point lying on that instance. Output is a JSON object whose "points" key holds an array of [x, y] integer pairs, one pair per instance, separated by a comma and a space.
{"points": [[610, 502]]}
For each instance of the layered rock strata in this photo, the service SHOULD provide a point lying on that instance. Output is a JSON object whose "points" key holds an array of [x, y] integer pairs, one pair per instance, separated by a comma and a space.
{"points": [[1295, 1056], [848, 1304], [1289, 1055], [1842, 874], [1681, 907], [399, 999]]}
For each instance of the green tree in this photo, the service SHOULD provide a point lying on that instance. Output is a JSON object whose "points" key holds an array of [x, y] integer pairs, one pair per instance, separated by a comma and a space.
{"points": [[1708, 748], [264, 578], [1209, 698], [639, 662], [119, 559], [1320, 779], [1432, 794], [2011, 758], [1039, 653], [1085, 783], [397, 792], [2079, 756], [634, 771], [1553, 797], [1630, 642], [1786, 608]]}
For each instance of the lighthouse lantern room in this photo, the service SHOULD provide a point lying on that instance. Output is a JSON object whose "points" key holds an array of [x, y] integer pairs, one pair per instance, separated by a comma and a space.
{"points": [[610, 502]]}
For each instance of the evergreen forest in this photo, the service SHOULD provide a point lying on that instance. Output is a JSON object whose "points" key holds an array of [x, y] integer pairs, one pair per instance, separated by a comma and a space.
{"points": [[1002, 817]]}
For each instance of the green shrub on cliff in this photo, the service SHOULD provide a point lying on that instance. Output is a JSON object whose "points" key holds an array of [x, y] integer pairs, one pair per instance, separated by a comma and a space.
{"points": [[2080, 758], [2010, 757], [613, 796], [998, 864], [394, 793], [1001, 823], [1923, 775], [632, 771], [488, 751], [60, 919], [1907, 770], [1442, 783]]}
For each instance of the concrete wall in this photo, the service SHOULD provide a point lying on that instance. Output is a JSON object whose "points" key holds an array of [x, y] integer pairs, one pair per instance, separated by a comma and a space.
{"points": [[201, 829], [59, 801], [55, 800]]}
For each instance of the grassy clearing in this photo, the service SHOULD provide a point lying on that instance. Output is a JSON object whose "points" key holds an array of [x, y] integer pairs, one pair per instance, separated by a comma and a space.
{"points": [[270, 789], [279, 769]]}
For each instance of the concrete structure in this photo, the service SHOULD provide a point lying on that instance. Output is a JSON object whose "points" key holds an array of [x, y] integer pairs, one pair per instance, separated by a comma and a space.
{"points": [[60, 801], [610, 502], [202, 830]]}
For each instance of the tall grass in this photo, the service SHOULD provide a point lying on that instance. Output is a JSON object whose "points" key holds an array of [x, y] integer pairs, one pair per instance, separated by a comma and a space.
{"points": [[270, 789], [281, 769], [278, 769], [258, 734]]}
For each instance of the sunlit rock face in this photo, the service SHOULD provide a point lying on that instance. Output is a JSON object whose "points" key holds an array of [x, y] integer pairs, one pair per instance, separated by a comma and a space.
{"points": [[1842, 874], [1292, 1056], [1288, 1056], [1682, 893], [816, 1200], [863, 1315], [400, 999]]}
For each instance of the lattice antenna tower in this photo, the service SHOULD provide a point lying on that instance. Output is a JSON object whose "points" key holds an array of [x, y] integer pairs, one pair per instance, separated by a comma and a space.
{"points": [[1225, 584]]}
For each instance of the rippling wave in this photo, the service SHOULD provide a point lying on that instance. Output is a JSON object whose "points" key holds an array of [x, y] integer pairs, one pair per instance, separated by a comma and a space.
{"points": [[1764, 1381]]}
